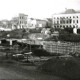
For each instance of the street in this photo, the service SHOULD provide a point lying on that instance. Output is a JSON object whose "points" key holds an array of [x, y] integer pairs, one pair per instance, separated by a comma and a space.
{"points": [[9, 74], [17, 70], [13, 72]]}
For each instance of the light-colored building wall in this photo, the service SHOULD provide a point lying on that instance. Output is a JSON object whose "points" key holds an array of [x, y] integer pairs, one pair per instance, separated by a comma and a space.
{"points": [[31, 23], [66, 20], [23, 20]]}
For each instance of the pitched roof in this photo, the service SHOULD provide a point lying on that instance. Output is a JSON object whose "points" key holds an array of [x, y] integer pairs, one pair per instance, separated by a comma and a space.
{"points": [[70, 11]]}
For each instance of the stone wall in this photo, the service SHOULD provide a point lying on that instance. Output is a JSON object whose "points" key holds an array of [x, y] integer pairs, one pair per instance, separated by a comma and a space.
{"points": [[61, 47]]}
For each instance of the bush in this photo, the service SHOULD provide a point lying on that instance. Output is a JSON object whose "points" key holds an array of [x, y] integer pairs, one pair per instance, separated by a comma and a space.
{"points": [[69, 30], [40, 52], [68, 68], [78, 31], [35, 30], [67, 36]]}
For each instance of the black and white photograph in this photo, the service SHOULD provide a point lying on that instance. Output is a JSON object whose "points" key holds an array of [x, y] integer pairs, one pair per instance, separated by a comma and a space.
{"points": [[39, 39]]}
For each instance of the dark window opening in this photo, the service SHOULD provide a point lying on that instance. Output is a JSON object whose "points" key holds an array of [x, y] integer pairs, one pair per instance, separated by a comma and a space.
{"points": [[77, 21]]}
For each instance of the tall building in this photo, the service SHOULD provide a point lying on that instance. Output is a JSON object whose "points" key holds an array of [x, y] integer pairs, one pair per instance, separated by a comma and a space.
{"points": [[69, 18], [23, 20]]}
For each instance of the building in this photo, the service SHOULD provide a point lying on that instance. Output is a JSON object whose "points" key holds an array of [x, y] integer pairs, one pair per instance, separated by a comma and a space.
{"points": [[31, 23], [36, 23], [68, 19], [20, 21], [23, 20], [40, 23], [48, 22], [45, 31]]}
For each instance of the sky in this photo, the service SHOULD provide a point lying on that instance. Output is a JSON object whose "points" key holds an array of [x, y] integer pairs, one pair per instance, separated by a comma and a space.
{"points": [[35, 8]]}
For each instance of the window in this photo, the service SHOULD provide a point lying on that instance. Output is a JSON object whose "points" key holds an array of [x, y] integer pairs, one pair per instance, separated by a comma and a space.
{"points": [[67, 26], [77, 16], [57, 22], [22, 17], [55, 26], [73, 17], [76, 26], [73, 26], [70, 26], [20, 22], [67, 21], [60, 26], [70, 21], [63, 26], [73, 21], [61, 22], [77, 21]]}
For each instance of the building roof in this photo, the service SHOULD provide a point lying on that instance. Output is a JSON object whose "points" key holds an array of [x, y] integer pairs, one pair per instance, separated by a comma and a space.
{"points": [[70, 11], [40, 20], [22, 14]]}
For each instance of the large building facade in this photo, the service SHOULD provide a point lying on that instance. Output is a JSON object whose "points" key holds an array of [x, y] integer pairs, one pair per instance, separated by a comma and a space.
{"points": [[70, 18], [23, 20], [20, 21]]}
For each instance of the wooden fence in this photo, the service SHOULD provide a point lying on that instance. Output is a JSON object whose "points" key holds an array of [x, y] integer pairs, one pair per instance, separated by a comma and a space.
{"points": [[61, 47]]}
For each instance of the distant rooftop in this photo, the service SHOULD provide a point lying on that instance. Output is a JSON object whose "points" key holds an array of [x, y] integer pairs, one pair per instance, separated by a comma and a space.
{"points": [[22, 14], [70, 11]]}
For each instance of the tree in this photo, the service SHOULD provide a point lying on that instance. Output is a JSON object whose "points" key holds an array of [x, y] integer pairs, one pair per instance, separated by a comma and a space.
{"points": [[23, 32], [48, 23], [67, 35]]}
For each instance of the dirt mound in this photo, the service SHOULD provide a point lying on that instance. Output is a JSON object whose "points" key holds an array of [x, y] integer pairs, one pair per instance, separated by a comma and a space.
{"points": [[63, 67]]}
